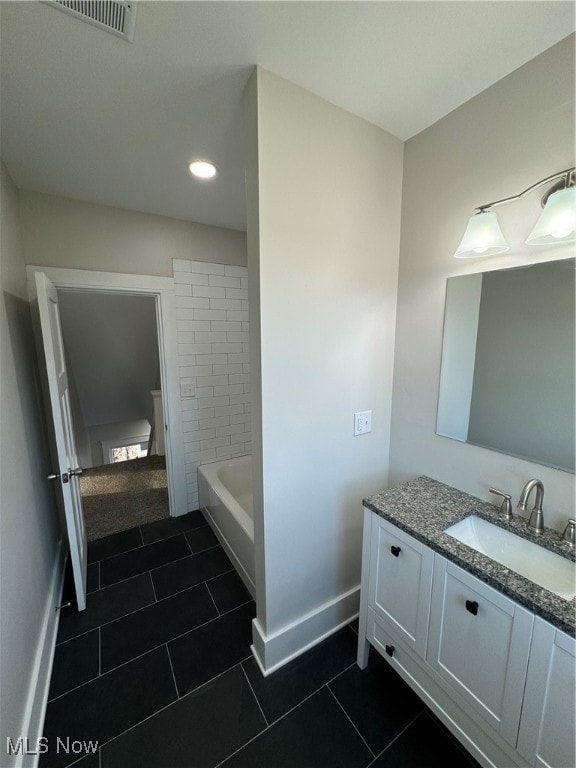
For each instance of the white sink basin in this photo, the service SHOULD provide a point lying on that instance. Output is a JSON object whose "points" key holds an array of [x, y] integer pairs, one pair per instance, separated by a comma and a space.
{"points": [[543, 567]]}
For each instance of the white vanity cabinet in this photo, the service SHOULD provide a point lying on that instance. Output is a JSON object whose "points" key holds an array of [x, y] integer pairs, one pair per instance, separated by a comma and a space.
{"points": [[547, 735], [501, 679], [479, 641]]}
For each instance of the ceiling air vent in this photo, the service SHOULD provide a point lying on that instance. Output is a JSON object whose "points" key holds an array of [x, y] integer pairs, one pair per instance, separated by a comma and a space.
{"points": [[116, 16]]}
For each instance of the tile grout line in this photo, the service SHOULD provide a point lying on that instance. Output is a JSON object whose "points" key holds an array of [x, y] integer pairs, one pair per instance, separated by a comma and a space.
{"points": [[81, 634], [188, 543], [212, 578], [396, 738], [167, 706], [79, 760], [254, 694], [274, 722], [427, 712], [133, 575], [116, 554], [86, 682], [90, 680], [177, 637], [148, 605], [239, 749], [214, 678], [163, 565], [209, 549], [112, 669], [351, 722], [153, 590], [170, 535], [60, 695], [131, 613], [339, 673], [179, 592], [172, 670], [154, 648], [69, 640], [212, 598], [144, 544]]}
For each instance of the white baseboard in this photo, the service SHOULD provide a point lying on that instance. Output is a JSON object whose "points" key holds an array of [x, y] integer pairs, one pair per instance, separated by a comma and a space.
{"points": [[274, 650], [35, 712]]}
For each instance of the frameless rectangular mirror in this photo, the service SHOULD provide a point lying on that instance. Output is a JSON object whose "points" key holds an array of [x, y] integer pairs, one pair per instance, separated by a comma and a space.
{"points": [[508, 362]]}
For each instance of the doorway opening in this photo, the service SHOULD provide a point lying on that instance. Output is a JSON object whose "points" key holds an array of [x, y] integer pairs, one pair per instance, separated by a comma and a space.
{"points": [[112, 351], [43, 286], [168, 422]]}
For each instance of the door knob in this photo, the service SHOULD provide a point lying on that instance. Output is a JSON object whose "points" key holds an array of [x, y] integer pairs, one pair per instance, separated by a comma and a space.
{"points": [[76, 472], [53, 476]]}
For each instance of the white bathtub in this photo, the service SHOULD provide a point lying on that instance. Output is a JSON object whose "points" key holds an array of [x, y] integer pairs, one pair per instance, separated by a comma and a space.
{"points": [[226, 499]]}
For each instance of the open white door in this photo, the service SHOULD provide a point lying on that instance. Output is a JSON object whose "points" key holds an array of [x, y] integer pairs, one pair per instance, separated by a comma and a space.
{"points": [[68, 470]]}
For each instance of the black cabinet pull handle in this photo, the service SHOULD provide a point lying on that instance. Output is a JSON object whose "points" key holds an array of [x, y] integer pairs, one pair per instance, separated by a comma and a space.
{"points": [[389, 650], [472, 606], [395, 551]]}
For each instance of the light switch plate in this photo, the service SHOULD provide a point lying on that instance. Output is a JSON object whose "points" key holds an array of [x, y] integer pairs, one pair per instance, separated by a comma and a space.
{"points": [[187, 389], [362, 423]]}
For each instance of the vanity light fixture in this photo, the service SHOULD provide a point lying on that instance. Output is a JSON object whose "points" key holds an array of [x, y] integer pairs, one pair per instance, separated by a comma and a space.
{"points": [[202, 169], [483, 237], [557, 223]]}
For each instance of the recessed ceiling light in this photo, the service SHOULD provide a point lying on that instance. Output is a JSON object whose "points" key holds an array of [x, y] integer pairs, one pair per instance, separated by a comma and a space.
{"points": [[202, 169]]}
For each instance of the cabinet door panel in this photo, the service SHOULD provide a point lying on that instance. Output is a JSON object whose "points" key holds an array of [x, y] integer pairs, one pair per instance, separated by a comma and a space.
{"points": [[547, 732], [400, 583], [479, 642]]}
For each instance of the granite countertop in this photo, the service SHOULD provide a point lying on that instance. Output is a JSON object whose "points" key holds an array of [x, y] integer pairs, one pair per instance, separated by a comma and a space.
{"points": [[424, 508]]}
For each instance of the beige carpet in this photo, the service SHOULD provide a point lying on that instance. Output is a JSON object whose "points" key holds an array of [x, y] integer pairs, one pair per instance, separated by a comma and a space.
{"points": [[119, 496]]}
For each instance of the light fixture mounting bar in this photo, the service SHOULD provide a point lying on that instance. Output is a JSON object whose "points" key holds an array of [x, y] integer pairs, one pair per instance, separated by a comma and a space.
{"points": [[567, 173]]}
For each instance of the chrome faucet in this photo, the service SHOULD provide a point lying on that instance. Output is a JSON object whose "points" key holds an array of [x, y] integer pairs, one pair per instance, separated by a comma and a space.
{"points": [[536, 521]]}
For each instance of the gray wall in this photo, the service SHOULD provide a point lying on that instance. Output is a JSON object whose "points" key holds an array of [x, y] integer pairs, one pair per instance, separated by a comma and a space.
{"points": [[324, 204], [513, 134], [29, 532], [523, 391], [59, 232]]}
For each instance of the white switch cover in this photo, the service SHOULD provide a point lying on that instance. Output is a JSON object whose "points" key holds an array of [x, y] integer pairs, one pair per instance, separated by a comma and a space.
{"points": [[362, 423], [187, 389]]}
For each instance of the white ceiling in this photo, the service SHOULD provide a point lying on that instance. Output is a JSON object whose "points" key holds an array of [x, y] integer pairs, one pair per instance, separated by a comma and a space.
{"points": [[89, 116]]}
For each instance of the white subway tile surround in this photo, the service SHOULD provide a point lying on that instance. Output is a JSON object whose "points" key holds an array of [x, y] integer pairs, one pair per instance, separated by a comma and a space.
{"points": [[212, 332]]}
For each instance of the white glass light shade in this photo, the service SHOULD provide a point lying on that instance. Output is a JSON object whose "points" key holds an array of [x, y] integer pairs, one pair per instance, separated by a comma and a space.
{"points": [[557, 222], [483, 237]]}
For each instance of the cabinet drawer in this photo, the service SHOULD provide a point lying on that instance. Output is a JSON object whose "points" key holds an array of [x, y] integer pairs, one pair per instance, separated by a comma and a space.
{"points": [[479, 642], [387, 644], [400, 583]]}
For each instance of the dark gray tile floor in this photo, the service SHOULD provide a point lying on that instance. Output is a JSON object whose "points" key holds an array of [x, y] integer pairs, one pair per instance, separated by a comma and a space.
{"points": [[158, 671]]}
